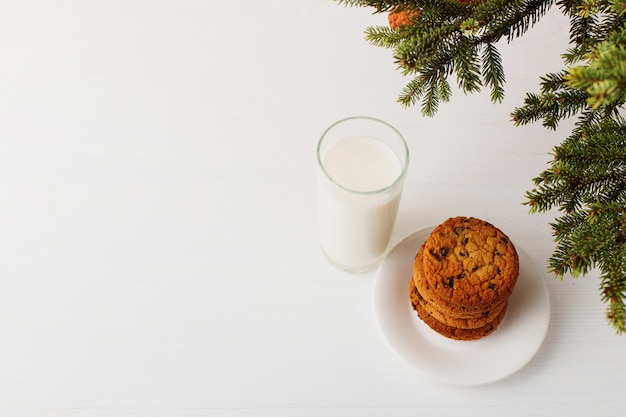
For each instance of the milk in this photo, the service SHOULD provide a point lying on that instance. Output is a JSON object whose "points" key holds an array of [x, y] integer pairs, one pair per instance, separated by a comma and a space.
{"points": [[357, 205], [362, 164]]}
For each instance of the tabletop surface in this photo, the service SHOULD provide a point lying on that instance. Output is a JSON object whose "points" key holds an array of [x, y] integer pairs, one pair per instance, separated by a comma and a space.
{"points": [[158, 232]]}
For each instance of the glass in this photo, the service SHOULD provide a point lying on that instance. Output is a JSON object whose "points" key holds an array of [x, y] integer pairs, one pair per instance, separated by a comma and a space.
{"points": [[362, 163]]}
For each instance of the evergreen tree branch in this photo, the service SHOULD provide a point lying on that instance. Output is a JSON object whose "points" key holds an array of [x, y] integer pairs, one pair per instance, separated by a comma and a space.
{"points": [[585, 181], [493, 72]]}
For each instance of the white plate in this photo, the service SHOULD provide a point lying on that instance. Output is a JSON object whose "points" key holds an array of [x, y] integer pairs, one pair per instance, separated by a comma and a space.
{"points": [[482, 361]]}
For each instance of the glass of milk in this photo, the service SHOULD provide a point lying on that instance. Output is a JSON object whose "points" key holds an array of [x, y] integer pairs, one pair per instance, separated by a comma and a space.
{"points": [[362, 164]]}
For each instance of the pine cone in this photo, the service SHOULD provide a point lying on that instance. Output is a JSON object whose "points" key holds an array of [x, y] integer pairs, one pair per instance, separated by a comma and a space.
{"points": [[401, 18]]}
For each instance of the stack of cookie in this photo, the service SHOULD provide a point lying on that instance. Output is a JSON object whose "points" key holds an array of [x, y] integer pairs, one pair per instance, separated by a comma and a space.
{"points": [[462, 278]]}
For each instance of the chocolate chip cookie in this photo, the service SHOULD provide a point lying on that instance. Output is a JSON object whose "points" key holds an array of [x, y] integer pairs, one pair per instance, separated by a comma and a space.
{"points": [[463, 276]]}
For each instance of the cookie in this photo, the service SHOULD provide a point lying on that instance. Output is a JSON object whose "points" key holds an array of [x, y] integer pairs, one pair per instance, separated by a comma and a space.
{"points": [[455, 332], [467, 265], [444, 306], [481, 320]]}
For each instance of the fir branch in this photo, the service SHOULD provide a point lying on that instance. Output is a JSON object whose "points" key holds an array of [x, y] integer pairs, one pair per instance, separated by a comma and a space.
{"points": [[433, 86], [553, 82], [604, 76], [580, 37], [588, 168], [449, 37], [430, 103], [574, 245], [427, 48], [585, 181], [383, 36], [613, 290], [510, 19], [555, 103], [414, 90], [467, 66], [595, 239], [493, 72], [549, 107], [432, 78], [380, 6]]}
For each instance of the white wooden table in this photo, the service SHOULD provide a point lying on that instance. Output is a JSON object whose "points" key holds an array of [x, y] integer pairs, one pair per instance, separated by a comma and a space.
{"points": [[158, 247]]}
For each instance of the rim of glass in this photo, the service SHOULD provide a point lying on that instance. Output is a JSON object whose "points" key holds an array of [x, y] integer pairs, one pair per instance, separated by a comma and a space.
{"points": [[373, 119]]}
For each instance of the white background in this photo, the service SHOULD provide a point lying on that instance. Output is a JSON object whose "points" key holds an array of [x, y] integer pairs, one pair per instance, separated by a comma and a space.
{"points": [[158, 238]]}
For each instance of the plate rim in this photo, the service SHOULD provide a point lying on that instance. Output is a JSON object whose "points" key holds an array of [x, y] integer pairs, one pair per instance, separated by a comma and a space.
{"points": [[530, 268]]}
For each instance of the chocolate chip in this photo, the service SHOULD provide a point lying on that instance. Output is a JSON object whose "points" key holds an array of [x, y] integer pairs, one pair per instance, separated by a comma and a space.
{"points": [[460, 276], [475, 268], [462, 254], [497, 252], [492, 286], [465, 240], [449, 283], [435, 255], [443, 252], [499, 271], [459, 229], [504, 240]]}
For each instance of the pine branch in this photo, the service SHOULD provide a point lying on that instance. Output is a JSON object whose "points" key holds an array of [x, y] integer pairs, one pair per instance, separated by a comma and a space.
{"points": [[451, 37], [380, 6], [510, 19], [432, 86], [414, 90], [604, 76], [585, 181], [595, 239], [383, 36], [613, 290], [467, 66], [555, 103], [493, 72]]}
